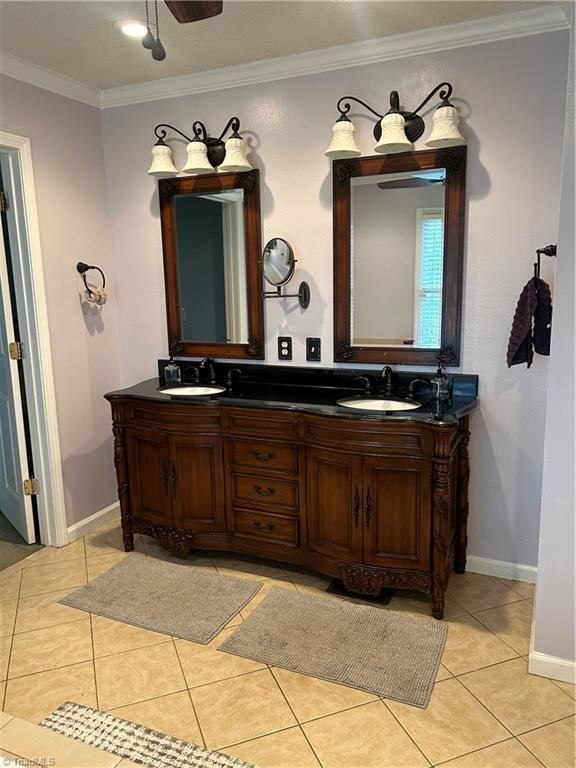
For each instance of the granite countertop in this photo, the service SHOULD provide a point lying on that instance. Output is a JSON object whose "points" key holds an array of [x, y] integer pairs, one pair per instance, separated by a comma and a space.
{"points": [[307, 399]]}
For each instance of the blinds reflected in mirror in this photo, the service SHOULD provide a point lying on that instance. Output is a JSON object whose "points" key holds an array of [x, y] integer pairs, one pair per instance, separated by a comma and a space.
{"points": [[429, 267]]}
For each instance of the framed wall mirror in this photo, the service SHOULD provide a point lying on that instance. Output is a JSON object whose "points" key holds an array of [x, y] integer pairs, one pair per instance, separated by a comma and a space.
{"points": [[212, 266], [398, 256]]}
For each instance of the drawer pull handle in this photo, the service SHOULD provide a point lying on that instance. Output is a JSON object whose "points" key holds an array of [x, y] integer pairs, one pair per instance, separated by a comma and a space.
{"points": [[356, 507], [165, 477], [265, 527], [263, 457], [368, 508], [264, 491]]}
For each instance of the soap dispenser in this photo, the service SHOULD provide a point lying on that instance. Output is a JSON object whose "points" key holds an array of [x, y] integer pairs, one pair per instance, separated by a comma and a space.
{"points": [[172, 372], [440, 385]]}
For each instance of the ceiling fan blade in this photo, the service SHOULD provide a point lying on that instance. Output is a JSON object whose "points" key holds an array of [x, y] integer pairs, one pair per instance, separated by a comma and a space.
{"points": [[404, 184], [194, 10]]}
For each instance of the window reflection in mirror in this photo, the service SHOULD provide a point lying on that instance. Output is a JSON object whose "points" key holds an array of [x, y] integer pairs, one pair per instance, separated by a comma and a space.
{"points": [[212, 266], [397, 252]]}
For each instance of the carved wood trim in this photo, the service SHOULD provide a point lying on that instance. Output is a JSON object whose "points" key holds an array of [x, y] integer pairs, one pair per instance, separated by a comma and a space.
{"points": [[441, 505], [175, 539], [462, 508], [122, 478], [370, 581]]}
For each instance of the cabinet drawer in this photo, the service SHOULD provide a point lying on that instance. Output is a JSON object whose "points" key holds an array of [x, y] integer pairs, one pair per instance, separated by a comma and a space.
{"points": [[265, 491], [255, 423], [259, 525], [259, 455]]}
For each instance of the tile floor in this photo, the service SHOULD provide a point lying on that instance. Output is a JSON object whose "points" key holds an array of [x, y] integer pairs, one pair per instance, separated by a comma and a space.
{"points": [[12, 545], [485, 711]]}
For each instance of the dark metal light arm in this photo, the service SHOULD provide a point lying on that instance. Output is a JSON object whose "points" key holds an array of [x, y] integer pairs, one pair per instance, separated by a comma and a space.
{"points": [[346, 107], [444, 95], [161, 133], [233, 123]]}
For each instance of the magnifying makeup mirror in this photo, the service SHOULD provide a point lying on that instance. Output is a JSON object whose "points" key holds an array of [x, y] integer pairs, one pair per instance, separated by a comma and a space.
{"points": [[278, 264]]}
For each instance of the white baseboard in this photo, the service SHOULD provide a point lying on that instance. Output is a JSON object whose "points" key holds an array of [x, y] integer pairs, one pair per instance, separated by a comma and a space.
{"points": [[501, 568], [552, 666], [93, 522]]}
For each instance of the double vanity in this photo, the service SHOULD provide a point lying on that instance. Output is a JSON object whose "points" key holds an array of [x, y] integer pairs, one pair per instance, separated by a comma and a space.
{"points": [[358, 474], [273, 466]]}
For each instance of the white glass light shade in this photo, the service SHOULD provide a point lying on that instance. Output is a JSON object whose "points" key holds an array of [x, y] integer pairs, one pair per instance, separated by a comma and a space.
{"points": [[235, 160], [162, 164], [445, 132], [343, 143], [393, 138], [197, 159]]}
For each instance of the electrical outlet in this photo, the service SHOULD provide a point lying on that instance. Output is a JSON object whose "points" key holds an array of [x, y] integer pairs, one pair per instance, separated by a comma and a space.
{"points": [[313, 349], [284, 347]]}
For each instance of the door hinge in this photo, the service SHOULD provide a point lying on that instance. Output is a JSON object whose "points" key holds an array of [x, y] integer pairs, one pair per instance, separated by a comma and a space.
{"points": [[30, 487], [15, 349], [3, 202]]}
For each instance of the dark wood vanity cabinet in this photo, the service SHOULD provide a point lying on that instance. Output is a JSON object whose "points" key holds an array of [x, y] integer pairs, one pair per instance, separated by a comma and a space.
{"points": [[376, 503]]}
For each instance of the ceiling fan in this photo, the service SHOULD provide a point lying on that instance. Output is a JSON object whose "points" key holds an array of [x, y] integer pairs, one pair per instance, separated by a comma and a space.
{"points": [[185, 11]]}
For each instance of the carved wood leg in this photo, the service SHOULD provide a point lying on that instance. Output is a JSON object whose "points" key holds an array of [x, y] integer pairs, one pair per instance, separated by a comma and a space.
{"points": [[462, 510], [441, 518], [122, 478]]}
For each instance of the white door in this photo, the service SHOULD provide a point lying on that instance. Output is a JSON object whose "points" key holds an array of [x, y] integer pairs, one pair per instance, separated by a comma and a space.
{"points": [[14, 505]]}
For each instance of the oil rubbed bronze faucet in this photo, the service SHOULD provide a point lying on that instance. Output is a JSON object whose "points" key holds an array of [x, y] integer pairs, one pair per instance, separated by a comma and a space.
{"points": [[366, 382], [208, 365], [415, 383], [386, 376]]}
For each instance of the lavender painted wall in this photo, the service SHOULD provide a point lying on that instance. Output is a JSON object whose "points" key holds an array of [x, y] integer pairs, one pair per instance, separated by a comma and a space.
{"points": [[512, 94], [68, 162]]}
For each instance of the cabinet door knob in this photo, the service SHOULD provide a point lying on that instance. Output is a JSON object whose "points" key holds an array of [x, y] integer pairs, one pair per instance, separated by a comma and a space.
{"points": [[263, 526], [264, 491], [174, 480], [263, 457], [368, 508], [165, 477], [356, 507]]}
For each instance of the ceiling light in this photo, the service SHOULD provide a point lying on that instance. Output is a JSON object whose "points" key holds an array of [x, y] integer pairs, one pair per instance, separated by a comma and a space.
{"points": [[132, 28]]}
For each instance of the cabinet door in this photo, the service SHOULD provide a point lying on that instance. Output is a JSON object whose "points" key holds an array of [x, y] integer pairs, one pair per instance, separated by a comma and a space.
{"points": [[147, 453], [397, 512], [334, 496], [197, 482]]}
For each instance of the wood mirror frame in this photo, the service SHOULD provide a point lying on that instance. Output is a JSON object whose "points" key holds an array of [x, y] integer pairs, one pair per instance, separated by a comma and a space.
{"points": [[453, 160], [249, 182]]}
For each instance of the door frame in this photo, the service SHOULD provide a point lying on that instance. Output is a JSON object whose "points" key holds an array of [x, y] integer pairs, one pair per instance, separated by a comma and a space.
{"points": [[32, 310]]}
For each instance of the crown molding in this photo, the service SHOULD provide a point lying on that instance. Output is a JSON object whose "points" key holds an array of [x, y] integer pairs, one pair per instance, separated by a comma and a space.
{"points": [[33, 74], [548, 18], [520, 24]]}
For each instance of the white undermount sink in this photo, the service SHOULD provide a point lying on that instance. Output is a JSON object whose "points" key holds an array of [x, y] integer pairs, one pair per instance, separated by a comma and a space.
{"points": [[378, 404], [192, 391]]}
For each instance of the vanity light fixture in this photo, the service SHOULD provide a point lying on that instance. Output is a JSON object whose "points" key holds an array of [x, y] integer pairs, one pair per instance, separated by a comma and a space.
{"points": [[204, 152], [398, 129]]}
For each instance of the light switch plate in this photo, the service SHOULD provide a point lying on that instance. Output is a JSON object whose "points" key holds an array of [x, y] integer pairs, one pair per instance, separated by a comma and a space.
{"points": [[313, 349], [284, 347]]}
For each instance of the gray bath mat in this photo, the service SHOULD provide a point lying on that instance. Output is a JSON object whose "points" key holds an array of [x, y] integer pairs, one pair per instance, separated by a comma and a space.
{"points": [[375, 649], [133, 741], [179, 600]]}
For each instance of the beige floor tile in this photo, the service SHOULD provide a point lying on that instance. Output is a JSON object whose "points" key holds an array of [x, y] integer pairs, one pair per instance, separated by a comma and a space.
{"points": [[420, 603], [283, 749], [47, 555], [39, 579], [4, 718], [204, 664], [311, 698], [5, 645], [102, 563], [314, 581], [128, 764], [442, 674], [507, 754], [133, 676], [569, 688], [107, 540], [32, 741], [49, 648], [523, 588], [519, 700], [262, 592], [44, 610], [2, 692], [512, 623], [471, 646], [240, 709], [476, 592], [364, 737], [10, 585], [453, 724], [248, 569], [172, 714], [553, 744], [35, 696], [7, 616], [115, 636]]}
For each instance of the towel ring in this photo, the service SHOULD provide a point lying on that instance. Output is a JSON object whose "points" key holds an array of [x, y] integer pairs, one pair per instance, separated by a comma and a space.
{"points": [[98, 295]]}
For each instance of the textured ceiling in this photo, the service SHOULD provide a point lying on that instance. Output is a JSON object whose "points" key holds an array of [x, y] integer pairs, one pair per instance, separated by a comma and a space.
{"points": [[78, 39]]}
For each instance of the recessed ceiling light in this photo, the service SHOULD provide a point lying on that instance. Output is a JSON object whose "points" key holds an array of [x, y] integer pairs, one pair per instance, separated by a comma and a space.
{"points": [[132, 28]]}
